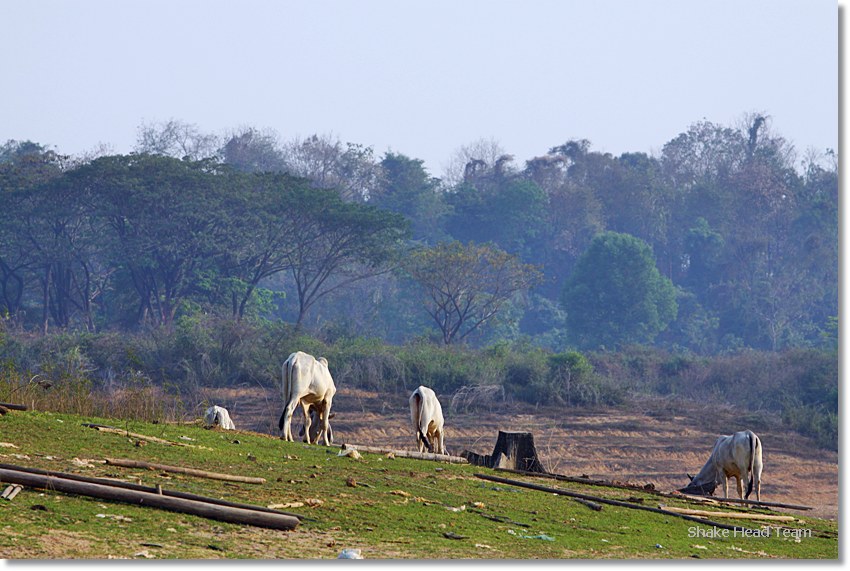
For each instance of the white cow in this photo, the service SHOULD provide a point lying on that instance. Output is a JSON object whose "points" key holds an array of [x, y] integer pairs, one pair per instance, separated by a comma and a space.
{"points": [[218, 416], [426, 414], [307, 381], [738, 455]]}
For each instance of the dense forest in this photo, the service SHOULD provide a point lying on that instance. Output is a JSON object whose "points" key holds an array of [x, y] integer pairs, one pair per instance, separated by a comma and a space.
{"points": [[725, 241]]}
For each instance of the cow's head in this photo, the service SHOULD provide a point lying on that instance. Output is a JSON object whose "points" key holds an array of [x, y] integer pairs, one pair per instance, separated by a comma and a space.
{"points": [[699, 488]]}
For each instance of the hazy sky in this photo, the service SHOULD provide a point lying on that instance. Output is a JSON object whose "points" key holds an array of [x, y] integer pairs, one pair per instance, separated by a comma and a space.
{"points": [[418, 78]]}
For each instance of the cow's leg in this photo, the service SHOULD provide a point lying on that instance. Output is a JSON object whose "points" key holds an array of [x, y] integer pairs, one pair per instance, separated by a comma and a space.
{"points": [[441, 448], [326, 421], [739, 481], [725, 487], [286, 420], [306, 408]]}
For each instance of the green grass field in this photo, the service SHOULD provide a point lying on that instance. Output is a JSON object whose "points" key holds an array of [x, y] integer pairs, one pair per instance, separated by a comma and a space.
{"points": [[386, 507]]}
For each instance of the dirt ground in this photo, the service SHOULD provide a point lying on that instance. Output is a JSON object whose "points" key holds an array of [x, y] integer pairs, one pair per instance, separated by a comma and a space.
{"points": [[650, 440]]}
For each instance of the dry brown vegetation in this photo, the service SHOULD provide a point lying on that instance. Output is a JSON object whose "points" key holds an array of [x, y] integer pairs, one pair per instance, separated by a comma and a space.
{"points": [[646, 441]]}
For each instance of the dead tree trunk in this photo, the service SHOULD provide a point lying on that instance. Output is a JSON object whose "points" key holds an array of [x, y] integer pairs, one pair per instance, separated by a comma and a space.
{"points": [[513, 450]]}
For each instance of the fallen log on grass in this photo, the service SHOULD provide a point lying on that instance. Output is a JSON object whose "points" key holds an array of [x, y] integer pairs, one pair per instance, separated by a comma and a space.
{"points": [[731, 515], [592, 505], [128, 434], [149, 489], [202, 509], [748, 503], [406, 453], [648, 488], [180, 470], [607, 501], [12, 406]]}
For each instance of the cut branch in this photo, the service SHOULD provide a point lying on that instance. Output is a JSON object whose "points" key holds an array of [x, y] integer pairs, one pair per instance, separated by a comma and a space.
{"points": [[407, 453], [180, 470]]}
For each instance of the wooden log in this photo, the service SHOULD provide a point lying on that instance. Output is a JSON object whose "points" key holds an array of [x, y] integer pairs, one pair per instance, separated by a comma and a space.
{"points": [[586, 481], [406, 453], [752, 503], [124, 463], [13, 406], [592, 505], [606, 501], [647, 490], [157, 490], [202, 509], [731, 515], [4, 410], [128, 434]]}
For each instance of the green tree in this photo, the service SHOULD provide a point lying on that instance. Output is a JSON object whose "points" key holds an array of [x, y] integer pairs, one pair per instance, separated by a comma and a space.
{"points": [[335, 243], [495, 204], [167, 221], [616, 295], [466, 286], [405, 187], [23, 165]]}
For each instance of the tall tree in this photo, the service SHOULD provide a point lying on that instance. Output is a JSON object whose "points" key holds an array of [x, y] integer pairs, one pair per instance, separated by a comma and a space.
{"points": [[32, 228], [405, 187], [167, 222], [349, 169], [336, 243], [252, 150], [465, 286], [495, 204], [177, 139], [616, 295]]}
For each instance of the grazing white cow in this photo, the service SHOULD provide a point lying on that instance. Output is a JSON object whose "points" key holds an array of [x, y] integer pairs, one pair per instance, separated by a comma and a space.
{"points": [[218, 416], [738, 455], [426, 414], [307, 381]]}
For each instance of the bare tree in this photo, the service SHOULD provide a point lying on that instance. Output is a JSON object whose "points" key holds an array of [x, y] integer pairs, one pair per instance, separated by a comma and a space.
{"points": [[348, 168], [177, 139], [466, 286], [483, 153]]}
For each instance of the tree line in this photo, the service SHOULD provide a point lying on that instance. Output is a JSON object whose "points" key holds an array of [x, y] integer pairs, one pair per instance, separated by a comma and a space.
{"points": [[724, 240]]}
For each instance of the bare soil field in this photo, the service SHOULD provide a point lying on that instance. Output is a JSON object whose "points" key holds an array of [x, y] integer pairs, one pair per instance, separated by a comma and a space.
{"points": [[649, 440]]}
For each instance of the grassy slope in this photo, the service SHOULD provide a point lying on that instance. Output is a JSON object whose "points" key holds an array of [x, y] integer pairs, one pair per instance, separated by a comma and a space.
{"points": [[397, 508]]}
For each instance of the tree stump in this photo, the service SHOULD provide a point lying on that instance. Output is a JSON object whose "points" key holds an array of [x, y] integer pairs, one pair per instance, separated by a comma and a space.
{"points": [[513, 450]]}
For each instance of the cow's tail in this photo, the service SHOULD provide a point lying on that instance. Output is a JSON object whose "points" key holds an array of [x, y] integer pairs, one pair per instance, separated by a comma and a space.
{"points": [[417, 420], [287, 384], [753, 444]]}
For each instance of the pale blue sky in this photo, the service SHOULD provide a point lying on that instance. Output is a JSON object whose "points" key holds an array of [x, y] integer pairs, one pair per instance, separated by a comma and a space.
{"points": [[419, 78]]}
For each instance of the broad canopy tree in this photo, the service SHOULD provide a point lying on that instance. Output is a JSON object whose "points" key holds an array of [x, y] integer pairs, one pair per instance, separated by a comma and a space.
{"points": [[616, 295], [465, 286]]}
